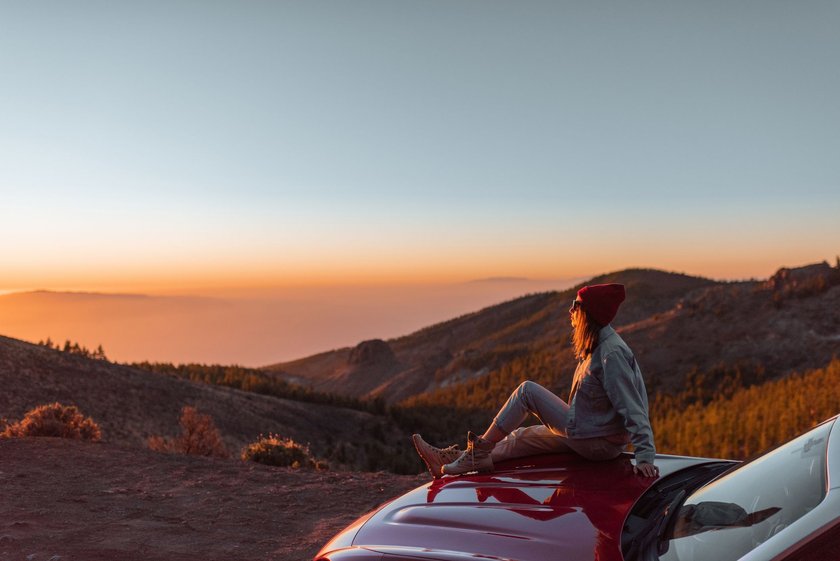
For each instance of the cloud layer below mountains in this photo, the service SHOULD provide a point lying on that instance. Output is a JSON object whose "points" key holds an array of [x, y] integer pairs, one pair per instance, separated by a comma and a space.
{"points": [[247, 328]]}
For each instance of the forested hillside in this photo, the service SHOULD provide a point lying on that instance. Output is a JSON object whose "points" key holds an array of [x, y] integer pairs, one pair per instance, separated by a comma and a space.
{"points": [[726, 413], [748, 420]]}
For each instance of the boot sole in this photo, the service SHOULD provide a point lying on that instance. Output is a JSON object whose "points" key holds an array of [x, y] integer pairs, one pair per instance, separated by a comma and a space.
{"points": [[489, 469], [478, 471]]}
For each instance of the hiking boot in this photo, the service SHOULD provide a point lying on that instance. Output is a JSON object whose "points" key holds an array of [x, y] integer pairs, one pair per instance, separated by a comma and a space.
{"points": [[475, 458], [434, 457]]}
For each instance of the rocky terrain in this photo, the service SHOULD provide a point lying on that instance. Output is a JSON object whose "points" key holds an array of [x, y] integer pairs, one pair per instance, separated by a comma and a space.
{"points": [[66, 500]]}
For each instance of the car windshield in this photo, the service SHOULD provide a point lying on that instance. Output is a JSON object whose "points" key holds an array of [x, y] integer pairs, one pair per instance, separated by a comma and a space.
{"points": [[738, 511]]}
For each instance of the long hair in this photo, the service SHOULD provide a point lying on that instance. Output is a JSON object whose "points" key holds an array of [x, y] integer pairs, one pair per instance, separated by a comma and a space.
{"points": [[584, 334]]}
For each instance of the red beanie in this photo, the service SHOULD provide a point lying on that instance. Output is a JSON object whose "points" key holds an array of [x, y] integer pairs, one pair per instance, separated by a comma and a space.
{"points": [[601, 301]]}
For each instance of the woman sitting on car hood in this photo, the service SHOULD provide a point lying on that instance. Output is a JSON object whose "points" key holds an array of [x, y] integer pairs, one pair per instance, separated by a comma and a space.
{"points": [[607, 408]]}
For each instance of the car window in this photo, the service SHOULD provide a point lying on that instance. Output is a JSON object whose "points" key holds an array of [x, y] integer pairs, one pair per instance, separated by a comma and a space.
{"points": [[735, 513]]}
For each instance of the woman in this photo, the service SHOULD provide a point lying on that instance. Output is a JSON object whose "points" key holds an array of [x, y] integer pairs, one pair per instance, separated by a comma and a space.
{"points": [[607, 409]]}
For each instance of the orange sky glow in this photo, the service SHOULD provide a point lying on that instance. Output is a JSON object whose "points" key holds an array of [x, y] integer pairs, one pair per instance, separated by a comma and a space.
{"points": [[329, 173], [718, 263]]}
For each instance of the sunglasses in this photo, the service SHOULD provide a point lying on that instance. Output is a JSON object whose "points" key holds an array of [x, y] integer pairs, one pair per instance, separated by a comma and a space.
{"points": [[575, 305]]}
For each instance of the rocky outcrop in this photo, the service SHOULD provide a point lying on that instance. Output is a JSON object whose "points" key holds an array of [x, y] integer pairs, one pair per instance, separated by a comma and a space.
{"points": [[802, 281], [372, 352]]}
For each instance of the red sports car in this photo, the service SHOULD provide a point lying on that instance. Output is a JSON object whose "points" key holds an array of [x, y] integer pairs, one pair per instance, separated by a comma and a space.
{"points": [[782, 506]]}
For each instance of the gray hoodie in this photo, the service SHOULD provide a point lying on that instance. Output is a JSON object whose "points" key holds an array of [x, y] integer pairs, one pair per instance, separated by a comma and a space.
{"points": [[609, 396]]}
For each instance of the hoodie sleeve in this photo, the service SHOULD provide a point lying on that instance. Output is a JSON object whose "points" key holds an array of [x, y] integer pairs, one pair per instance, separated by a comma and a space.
{"points": [[626, 390]]}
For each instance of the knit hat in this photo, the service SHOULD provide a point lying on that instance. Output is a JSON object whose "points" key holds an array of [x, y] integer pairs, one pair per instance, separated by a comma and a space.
{"points": [[601, 301]]}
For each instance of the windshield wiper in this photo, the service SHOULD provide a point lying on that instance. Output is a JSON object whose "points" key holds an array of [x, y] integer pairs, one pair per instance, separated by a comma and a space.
{"points": [[654, 532]]}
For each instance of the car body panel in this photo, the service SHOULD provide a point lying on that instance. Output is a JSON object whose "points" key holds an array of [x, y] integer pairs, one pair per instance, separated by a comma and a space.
{"points": [[815, 535], [542, 507], [821, 524], [558, 507], [833, 459]]}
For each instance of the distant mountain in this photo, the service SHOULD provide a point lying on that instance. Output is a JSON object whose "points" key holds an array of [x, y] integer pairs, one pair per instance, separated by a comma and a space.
{"points": [[499, 279], [677, 325]]}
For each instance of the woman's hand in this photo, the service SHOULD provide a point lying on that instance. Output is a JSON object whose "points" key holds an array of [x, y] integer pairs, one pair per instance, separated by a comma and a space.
{"points": [[645, 469]]}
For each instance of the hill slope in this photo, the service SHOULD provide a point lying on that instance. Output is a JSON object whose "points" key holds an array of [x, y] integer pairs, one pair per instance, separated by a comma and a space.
{"points": [[770, 328], [132, 404], [677, 324]]}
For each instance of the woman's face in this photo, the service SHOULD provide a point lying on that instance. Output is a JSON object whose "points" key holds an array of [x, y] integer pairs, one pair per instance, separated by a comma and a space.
{"points": [[575, 313]]}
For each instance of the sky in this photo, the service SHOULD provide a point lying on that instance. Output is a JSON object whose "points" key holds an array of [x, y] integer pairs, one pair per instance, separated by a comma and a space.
{"points": [[251, 327], [187, 147]]}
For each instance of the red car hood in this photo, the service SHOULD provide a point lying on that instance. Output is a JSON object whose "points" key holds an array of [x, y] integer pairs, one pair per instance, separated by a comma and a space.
{"points": [[538, 508]]}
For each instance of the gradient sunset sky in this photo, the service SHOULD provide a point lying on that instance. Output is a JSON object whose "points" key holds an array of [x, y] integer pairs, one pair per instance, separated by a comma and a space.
{"points": [[182, 146]]}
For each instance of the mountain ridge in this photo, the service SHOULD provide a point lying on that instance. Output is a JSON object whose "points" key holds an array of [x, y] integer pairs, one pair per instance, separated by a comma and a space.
{"points": [[676, 323]]}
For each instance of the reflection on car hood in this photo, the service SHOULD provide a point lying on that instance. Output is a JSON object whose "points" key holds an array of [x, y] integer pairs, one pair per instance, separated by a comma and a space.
{"points": [[544, 507]]}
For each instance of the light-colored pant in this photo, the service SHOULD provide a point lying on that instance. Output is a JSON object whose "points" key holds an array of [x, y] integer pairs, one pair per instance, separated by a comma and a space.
{"points": [[548, 438]]}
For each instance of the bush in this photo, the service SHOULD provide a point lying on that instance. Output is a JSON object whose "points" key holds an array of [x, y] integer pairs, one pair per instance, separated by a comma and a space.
{"points": [[274, 450], [199, 437], [54, 419]]}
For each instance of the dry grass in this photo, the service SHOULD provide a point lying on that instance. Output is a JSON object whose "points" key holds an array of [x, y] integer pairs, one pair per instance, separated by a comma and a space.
{"points": [[274, 450], [199, 437], [54, 419]]}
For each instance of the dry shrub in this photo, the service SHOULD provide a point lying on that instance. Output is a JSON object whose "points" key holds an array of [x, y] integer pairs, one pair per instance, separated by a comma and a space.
{"points": [[274, 450], [199, 437], [54, 419]]}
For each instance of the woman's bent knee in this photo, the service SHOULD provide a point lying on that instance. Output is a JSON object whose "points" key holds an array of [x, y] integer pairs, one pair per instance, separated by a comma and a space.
{"points": [[526, 387]]}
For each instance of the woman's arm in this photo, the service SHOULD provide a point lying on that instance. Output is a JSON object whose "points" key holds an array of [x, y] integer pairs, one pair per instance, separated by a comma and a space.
{"points": [[625, 389]]}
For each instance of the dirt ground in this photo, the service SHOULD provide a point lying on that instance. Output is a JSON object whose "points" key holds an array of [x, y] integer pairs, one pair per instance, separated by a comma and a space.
{"points": [[63, 500]]}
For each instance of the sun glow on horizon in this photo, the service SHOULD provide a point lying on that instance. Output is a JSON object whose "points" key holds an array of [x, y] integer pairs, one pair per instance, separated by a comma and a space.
{"points": [[241, 281], [305, 161]]}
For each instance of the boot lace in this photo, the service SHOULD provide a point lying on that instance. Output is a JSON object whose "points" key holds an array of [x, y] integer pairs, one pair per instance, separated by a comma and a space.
{"points": [[471, 451], [452, 451]]}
